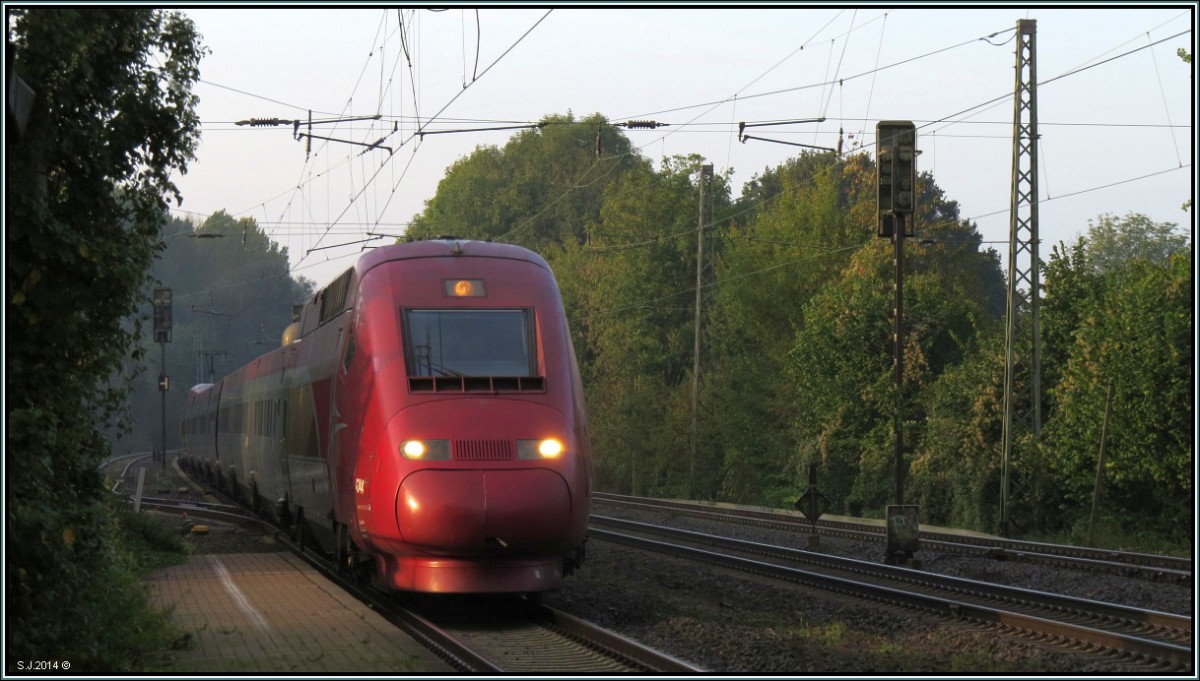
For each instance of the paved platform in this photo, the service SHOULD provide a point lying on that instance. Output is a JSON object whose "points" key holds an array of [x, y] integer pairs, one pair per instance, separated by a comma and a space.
{"points": [[271, 612]]}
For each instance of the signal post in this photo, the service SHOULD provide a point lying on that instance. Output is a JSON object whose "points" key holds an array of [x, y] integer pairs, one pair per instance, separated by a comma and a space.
{"points": [[162, 336], [895, 156]]}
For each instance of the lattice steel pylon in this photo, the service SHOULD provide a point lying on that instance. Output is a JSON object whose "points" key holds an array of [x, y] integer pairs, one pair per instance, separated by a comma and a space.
{"points": [[1022, 352]]}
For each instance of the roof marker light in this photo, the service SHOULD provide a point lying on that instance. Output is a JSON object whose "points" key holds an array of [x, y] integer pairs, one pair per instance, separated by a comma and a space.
{"points": [[464, 288]]}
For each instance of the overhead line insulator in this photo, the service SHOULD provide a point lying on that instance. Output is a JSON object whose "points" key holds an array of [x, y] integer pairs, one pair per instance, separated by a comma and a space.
{"points": [[263, 122], [643, 125]]}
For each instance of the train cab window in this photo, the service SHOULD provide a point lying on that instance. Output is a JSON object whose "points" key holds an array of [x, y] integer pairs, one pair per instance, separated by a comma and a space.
{"points": [[469, 343]]}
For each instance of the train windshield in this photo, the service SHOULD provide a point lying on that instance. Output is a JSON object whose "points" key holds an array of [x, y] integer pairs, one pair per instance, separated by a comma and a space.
{"points": [[469, 343]]}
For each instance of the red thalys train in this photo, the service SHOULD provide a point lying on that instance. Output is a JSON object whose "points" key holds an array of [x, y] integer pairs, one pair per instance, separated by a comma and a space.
{"points": [[423, 423]]}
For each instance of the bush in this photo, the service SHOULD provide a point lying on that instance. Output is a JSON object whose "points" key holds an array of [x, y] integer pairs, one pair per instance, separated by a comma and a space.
{"points": [[99, 616]]}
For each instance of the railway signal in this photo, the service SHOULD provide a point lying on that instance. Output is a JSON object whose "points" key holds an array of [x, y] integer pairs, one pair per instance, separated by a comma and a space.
{"points": [[162, 336], [896, 175], [895, 158], [162, 315]]}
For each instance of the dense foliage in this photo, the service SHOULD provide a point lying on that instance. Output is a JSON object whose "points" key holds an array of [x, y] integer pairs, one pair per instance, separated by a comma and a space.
{"points": [[796, 359], [86, 195], [1119, 308], [542, 188], [232, 296]]}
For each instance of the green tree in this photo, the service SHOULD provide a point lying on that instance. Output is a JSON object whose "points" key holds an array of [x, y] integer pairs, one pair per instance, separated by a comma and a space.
{"points": [[233, 297], [803, 331], [1125, 321], [636, 284], [839, 364], [543, 188], [87, 188], [955, 469], [1112, 242], [841, 360], [793, 233]]}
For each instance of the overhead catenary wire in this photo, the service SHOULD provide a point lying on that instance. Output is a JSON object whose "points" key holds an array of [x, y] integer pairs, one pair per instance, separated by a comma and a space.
{"points": [[416, 134], [714, 105], [1166, 109], [1072, 72], [301, 185], [874, 73], [786, 90], [743, 125], [420, 128], [430, 123], [718, 127], [426, 124], [836, 71], [1007, 96], [810, 86]]}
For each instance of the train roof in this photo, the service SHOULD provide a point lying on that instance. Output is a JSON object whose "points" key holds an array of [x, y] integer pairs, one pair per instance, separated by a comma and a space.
{"points": [[338, 296], [444, 246]]}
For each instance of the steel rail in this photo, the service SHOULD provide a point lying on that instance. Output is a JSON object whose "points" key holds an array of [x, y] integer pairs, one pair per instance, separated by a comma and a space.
{"points": [[1144, 565], [1155, 649], [522, 636], [1180, 624], [454, 652], [640, 655], [581, 639]]}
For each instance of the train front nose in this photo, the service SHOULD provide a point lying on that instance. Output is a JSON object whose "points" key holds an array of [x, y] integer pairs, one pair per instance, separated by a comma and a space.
{"points": [[485, 512]]}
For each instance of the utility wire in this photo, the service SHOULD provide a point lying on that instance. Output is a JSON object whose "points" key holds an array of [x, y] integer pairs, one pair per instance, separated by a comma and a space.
{"points": [[501, 124], [1166, 109], [430, 121], [874, 72], [817, 85], [1072, 72], [417, 134], [714, 105]]}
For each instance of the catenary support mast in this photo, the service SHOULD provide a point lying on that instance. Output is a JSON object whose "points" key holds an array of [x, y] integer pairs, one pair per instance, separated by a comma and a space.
{"points": [[1022, 354]]}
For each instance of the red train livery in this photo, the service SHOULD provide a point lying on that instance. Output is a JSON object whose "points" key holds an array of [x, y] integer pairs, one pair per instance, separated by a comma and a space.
{"points": [[423, 422]]}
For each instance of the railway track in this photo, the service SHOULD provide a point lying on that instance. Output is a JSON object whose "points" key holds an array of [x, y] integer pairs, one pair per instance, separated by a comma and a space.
{"points": [[1131, 634], [520, 636], [473, 634], [1130, 564]]}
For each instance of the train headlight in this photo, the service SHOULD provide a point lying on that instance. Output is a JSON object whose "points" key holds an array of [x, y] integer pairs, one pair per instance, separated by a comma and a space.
{"points": [[425, 450], [550, 448]]}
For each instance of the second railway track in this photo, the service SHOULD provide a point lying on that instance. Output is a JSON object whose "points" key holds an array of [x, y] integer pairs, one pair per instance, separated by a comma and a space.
{"points": [[1136, 634], [1130, 564]]}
